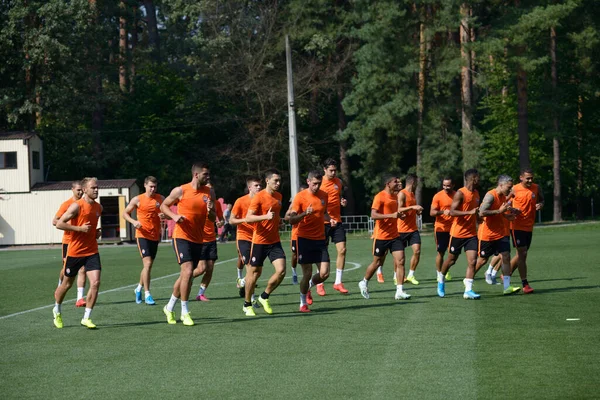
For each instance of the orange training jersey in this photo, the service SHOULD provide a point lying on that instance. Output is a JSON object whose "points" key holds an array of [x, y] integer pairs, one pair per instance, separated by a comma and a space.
{"points": [[84, 244], [147, 214], [67, 235], [267, 231], [333, 188], [409, 223], [210, 231], [466, 226], [385, 203], [442, 201], [311, 226], [493, 226], [192, 206], [239, 210], [525, 200]]}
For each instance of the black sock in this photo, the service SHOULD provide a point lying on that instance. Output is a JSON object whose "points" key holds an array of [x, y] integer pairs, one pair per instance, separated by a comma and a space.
{"points": [[247, 304], [524, 282], [264, 295]]}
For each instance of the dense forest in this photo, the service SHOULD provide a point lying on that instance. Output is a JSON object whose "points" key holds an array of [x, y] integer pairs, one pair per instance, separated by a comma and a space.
{"points": [[121, 89]]}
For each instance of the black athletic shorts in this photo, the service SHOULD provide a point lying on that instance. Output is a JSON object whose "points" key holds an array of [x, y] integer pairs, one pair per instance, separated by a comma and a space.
{"points": [[243, 247], [381, 247], [260, 252], [147, 248], [294, 246], [469, 244], [65, 246], [410, 238], [442, 240], [74, 264], [209, 251], [494, 247], [337, 234], [187, 251], [312, 251], [521, 238]]}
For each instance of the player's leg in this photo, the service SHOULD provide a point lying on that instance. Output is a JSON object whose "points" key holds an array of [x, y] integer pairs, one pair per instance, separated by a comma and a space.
{"points": [[415, 243], [92, 270], [71, 269], [471, 256], [399, 270], [304, 287], [210, 266], [340, 264]]}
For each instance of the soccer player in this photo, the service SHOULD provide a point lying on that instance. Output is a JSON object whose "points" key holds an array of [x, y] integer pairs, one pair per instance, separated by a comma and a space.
{"points": [[493, 232], [332, 185], [440, 209], [309, 210], [209, 250], [147, 233], [77, 193], [194, 205], [244, 229], [294, 248], [385, 236], [463, 233], [82, 252], [264, 213], [407, 227], [528, 198]]}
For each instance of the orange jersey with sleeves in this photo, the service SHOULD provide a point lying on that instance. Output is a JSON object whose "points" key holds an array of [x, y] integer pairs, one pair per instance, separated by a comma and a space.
{"points": [[494, 227], [333, 188], [466, 226], [387, 228], [84, 244], [267, 231], [442, 201], [210, 229], [409, 223], [147, 214], [239, 210], [192, 206], [67, 235], [525, 200], [311, 226]]}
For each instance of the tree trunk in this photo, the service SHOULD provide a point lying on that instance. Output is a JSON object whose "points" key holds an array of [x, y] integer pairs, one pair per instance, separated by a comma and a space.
{"points": [[557, 202], [468, 152], [96, 86], [153, 38], [421, 110], [344, 160], [122, 47], [522, 118], [579, 196], [134, 42]]}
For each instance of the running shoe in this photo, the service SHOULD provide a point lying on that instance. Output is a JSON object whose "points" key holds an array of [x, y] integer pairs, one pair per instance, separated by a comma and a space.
{"points": [[80, 302], [265, 305], [448, 277], [364, 290], [527, 289], [471, 295], [380, 277], [187, 319], [138, 296], [170, 316], [321, 289], [87, 322], [149, 300], [441, 289], [511, 290], [401, 296], [309, 299], [412, 280], [202, 298], [340, 288], [304, 309], [249, 311], [294, 279], [57, 319], [488, 279]]}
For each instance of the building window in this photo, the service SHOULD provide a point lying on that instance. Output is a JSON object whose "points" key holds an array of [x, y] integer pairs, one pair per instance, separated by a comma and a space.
{"points": [[35, 159], [8, 160]]}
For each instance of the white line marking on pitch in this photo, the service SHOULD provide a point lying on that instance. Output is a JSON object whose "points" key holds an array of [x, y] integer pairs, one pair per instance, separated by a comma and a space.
{"points": [[356, 266], [572, 319]]}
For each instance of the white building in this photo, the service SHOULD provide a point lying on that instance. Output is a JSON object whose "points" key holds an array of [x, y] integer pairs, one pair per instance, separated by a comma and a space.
{"points": [[28, 204]]}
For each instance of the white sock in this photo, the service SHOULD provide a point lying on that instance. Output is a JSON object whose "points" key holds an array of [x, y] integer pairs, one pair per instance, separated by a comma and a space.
{"points": [[395, 276], [239, 271], [411, 273], [294, 273], [399, 288], [302, 299], [59, 282], [440, 276], [201, 291], [171, 303], [146, 294], [253, 298], [494, 273], [380, 270], [138, 288], [57, 308], [80, 292], [310, 284], [489, 270], [365, 281], [338, 276], [88, 313], [506, 280], [468, 284], [184, 309]]}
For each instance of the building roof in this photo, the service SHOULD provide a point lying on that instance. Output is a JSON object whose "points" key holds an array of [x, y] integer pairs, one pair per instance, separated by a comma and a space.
{"points": [[66, 185], [16, 135]]}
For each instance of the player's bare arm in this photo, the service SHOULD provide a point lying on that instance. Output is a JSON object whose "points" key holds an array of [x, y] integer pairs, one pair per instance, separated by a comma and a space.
{"points": [[252, 218], [71, 213], [484, 209], [173, 197], [295, 217], [129, 209], [540, 203], [456, 202], [375, 215]]}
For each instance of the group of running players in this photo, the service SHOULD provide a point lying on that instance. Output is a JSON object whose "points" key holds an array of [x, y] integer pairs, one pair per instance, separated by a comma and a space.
{"points": [[315, 215]]}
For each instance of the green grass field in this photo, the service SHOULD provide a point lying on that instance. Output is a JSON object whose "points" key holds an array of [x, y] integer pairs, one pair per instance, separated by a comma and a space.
{"points": [[520, 346]]}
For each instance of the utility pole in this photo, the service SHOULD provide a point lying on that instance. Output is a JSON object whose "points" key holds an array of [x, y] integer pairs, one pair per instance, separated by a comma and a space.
{"points": [[294, 178]]}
